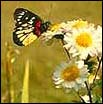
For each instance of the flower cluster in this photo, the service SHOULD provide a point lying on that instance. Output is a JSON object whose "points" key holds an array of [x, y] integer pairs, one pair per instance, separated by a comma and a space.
{"points": [[80, 37], [83, 41]]}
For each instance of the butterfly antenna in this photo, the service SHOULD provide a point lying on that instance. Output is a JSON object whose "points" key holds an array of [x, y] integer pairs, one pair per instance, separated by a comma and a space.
{"points": [[50, 11]]}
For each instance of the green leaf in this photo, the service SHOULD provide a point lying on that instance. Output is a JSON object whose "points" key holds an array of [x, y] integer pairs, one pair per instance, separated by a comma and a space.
{"points": [[98, 99], [99, 83], [25, 93], [91, 62]]}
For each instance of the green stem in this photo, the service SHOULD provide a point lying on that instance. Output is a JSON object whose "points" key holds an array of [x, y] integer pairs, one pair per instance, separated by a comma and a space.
{"points": [[97, 70], [65, 49], [97, 58], [81, 97], [89, 92]]}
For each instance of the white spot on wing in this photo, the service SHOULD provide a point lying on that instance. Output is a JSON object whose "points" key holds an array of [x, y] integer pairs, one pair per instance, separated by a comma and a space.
{"points": [[24, 31], [28, 30], [30, 22], [19, 32], [22, 13], [19, 16], [18, 19], [19, 22], [19, 35], [23, 37], [26, 18], [20, 28], [24, 25], [32, 18], [30, 26]]}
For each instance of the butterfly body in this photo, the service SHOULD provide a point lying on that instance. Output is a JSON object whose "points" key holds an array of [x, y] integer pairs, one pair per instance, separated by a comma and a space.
{"points": [[28, 27]]}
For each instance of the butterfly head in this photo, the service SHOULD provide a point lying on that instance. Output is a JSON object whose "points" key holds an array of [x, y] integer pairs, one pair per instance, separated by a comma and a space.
{"points": [[45, 26]]}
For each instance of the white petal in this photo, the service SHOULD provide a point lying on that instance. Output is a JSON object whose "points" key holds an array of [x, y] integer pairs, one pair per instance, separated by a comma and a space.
{"points": [[67, 46], [75, 54], [80, 64], [79, 80], [72, 50], [59, 82], [58, 86]]}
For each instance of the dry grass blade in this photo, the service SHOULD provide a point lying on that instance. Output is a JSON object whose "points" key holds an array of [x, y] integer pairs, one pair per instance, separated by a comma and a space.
{"points": [[25, 93], [9, 74]]}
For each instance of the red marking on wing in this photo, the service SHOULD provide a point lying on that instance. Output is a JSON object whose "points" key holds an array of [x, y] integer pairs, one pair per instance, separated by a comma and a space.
{"points": [[37, 28]]}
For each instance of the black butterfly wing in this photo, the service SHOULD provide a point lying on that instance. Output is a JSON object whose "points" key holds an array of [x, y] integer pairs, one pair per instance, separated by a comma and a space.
{"points": [[25, 27]]}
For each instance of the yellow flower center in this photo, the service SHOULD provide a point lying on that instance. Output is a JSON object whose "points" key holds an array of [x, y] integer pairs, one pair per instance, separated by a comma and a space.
{"points": [[54, 27], [84, 39], [71, 73], [80, 24]]}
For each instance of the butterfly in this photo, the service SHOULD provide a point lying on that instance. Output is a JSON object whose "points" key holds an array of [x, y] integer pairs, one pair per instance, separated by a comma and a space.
{"points": [[28, 27]]}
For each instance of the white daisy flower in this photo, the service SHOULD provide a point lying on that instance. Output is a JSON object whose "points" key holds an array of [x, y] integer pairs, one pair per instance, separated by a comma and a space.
{"points": [[70, 75], [84, 41]]}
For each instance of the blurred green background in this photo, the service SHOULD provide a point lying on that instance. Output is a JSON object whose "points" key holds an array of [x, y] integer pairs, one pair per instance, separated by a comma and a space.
{"points": [[43, 58]]}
